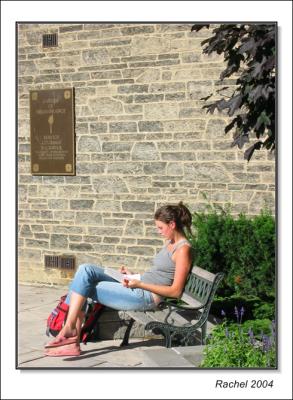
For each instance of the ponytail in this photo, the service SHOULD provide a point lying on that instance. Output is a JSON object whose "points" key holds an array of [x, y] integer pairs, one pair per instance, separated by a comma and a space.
{"points": [[178, 213]]}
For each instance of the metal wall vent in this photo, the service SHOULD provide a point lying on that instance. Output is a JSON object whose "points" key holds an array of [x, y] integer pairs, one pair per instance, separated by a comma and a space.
{"points": [[50, 40], [62, 262]]}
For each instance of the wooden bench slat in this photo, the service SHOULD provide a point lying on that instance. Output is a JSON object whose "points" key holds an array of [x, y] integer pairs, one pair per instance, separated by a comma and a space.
{"points": [[190, 300], [203, 273]]}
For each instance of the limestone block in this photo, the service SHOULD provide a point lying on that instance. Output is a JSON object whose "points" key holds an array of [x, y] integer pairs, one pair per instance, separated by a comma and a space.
{"points": [[39, 244], [89, 144], [175, 169], [27, 68], [178, 156], [122, 127], [58, 204], [80, 247], [97, 127], [105, 106], [119, 51], [125, 168], [188, 125], [199, 89], [134, 228], [175, 97], [138, 181], [78, 76], [206, 172], [25, 230], [221, 197], [149, 75], [68, 191], [167, 87], [48, 63], [241, 197], [110, 205], [97, 56], [81, 204], [112, 42], [133, 89], [134, 30], [191, 57], [58, 241], [246, 177], [195, 145], [30, 254], [106, 75], [90, 168], [161, 111], [90, 218], [116, 147], [47, 78], [109, 184], [138, 206], [216, 156], [216, 128], [146, 45], [61, 215], [141, 250], [155, 168], [116, 260], [145, 151], [150, 126], [262, 200]]}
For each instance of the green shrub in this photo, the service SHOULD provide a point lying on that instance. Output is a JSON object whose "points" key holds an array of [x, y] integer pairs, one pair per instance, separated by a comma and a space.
{"points": [[243, 248], [238, 346]]}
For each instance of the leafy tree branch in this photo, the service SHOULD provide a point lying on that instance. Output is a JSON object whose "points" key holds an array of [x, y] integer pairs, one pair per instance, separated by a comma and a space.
{"points": [[250, 54]]}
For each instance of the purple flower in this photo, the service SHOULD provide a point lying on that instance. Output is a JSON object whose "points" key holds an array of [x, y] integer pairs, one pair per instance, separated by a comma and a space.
{"points": [[223, 313], [236, 312], [241, 313], [251, 336], [266, 343]]}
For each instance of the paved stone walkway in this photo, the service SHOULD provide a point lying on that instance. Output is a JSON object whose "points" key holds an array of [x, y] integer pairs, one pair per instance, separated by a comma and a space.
{"points": [[34, 305]]}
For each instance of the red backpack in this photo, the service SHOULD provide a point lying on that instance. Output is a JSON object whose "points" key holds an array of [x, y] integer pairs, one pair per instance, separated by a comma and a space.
{"points": [[57, 318]]}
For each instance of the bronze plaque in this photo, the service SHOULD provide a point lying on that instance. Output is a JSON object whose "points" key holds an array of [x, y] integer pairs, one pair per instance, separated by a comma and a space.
{"points": [[52, 132]]}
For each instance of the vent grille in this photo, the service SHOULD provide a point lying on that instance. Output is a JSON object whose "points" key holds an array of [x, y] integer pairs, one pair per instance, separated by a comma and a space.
{"points": [[50, 40], [62, 262]]}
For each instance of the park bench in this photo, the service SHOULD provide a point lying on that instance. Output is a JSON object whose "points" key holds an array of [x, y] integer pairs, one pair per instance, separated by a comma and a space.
{"points": [[181, 321]]}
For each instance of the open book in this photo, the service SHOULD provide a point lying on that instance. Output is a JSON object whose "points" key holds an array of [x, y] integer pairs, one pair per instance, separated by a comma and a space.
{"points": [[118, 276]]}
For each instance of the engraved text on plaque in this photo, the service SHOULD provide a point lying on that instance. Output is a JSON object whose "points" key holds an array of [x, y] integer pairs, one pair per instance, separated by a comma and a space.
{"points": [[52, 132]]}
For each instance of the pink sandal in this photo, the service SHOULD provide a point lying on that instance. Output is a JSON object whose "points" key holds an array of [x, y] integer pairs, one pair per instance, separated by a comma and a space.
{"points": [[61, 341], [63, 351]]}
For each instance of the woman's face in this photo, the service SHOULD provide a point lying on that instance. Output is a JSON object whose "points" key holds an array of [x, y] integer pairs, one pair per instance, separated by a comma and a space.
{"points": [[165, 229]]}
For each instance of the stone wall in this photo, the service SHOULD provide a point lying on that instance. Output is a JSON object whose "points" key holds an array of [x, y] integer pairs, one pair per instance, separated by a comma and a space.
{"points": [[142, 140]]}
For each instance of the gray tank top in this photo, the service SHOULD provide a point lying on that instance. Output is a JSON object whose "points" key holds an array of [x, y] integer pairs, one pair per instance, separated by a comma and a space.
{"points": [[163, 269]]}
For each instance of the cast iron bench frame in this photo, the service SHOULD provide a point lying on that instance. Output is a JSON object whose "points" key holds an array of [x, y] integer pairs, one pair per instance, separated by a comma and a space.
{"points": [[166, 319]]}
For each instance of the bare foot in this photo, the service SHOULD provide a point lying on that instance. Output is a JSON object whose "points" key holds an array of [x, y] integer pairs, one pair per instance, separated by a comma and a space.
{"points": [[67, 332]]}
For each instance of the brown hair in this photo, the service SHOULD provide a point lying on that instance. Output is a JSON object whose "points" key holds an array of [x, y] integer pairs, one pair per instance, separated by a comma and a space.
{"points": [[178, 213]]}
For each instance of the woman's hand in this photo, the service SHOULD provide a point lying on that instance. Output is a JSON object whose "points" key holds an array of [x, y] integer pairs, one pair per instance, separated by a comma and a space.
{"points": [[131, 283], [124, 270]]}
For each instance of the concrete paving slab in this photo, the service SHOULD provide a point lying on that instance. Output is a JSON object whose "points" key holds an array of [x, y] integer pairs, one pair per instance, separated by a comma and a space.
{"points": [[165, 358]]}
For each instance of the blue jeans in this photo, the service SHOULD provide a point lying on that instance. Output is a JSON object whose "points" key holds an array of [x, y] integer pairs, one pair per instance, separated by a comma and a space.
{"points": [[90, 281]]}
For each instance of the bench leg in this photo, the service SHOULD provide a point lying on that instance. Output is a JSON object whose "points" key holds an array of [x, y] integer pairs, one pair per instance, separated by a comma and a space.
{"points": [[203, 332], [127, 333]]}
